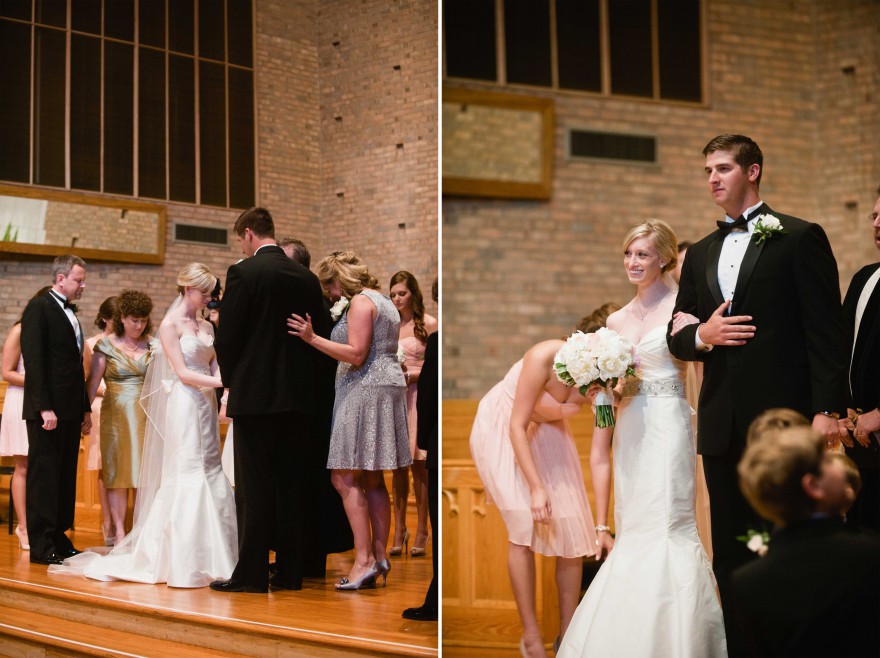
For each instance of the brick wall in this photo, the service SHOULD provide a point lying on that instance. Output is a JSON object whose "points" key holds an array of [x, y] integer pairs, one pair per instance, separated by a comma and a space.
{"points": [[516, 272], [378, 104], [301, 163]]}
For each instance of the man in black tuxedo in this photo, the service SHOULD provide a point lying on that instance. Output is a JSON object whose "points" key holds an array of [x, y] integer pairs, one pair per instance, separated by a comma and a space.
{"points": [[817, 590], [272, 398], [770, 334], [56, 409], [861, 310]]}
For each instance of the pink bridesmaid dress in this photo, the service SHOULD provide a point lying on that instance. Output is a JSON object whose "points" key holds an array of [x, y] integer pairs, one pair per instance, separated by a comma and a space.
{"points": [[13, 431], [414, 359], [571, 531]]}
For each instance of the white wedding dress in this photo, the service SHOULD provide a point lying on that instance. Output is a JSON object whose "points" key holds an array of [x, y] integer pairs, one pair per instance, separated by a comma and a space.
{"points": [[185, 533], [655, 594]]}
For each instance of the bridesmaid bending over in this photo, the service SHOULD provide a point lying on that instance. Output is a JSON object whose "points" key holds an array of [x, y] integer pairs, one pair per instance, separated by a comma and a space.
{"points": [[525, 454]]}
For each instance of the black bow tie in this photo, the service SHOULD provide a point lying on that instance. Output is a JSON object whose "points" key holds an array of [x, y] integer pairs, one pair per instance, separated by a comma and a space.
{"points": [[740, 222], [66, 302]]}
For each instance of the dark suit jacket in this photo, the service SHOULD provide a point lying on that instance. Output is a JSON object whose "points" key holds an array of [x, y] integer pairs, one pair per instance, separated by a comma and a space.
{"points": [[815, 593], [865, 365], [426, 402], [797, 359], [55, 379], [267, 370]]}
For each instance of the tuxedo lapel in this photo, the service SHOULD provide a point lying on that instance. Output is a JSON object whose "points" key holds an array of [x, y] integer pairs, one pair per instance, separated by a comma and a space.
{"points": [[868, 327], [712, 268], [753, 252], [62, 315]]}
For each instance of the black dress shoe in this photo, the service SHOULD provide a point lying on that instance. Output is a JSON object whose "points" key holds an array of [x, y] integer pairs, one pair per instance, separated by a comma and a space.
{"points": [[422, 613], [52, 558], [236, 586], [277, 582]]}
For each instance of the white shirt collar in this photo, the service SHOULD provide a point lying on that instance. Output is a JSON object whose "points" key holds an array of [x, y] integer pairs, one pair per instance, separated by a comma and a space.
{"points": [[752, 220]]}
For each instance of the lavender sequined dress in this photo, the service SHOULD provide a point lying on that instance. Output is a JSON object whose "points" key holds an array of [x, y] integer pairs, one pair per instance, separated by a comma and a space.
{"points": [[369, 415]]}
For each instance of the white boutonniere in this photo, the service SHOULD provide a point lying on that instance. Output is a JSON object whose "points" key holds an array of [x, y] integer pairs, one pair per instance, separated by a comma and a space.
{"points": [[766, 227], [757, 542], [338, 308]]}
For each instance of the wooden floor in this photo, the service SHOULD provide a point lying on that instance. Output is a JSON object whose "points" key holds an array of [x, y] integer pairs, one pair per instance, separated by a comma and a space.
{"points": [[43, 615]]}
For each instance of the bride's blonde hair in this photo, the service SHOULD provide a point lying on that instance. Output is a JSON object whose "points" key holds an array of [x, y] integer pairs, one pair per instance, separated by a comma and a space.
{"points": [[664, 239], [196, 275]]}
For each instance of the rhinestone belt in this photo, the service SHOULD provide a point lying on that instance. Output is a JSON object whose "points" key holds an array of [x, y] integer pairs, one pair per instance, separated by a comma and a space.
{"points": [[671, 387]]}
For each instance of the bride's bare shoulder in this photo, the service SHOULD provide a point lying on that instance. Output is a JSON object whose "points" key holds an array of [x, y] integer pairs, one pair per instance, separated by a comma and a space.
{"points": [[616, 319]]}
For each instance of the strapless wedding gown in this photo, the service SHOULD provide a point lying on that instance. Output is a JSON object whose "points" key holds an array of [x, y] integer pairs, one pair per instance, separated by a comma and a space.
{"points": [[655, 594], [188, 536]]}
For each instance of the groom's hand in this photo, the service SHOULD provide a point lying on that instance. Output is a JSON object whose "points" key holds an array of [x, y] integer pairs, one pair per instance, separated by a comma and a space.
{"points": [[726, 330], [827, 427]]}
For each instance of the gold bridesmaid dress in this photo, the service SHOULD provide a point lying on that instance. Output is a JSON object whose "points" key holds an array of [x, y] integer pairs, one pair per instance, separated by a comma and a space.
{"points": [[122, 417]]}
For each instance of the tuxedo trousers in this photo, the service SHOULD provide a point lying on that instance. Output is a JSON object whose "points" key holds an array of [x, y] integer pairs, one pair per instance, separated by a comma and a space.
{"points": [[431, 597], [731, 517], [275, 507], [50, 493]]}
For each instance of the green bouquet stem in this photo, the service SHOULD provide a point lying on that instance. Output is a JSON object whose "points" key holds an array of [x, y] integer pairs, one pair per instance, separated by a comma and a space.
{"points": [[604, 415], [604, 410]]}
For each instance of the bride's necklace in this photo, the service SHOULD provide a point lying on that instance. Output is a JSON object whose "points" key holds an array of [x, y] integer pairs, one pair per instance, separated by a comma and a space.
{"points": [[195, 322], [643, 312]]}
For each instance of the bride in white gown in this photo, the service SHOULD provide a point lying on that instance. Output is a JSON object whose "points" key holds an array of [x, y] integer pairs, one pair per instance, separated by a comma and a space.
{"points": [[655, 594], [184, 530]]}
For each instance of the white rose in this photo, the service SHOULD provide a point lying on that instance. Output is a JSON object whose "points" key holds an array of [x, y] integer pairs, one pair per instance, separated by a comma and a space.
{"points": [[770, 222], [337, 308], [756, 544]]}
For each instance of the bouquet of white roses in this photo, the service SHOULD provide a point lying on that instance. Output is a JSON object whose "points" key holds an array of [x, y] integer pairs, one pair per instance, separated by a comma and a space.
{"points": [[596, 358]]}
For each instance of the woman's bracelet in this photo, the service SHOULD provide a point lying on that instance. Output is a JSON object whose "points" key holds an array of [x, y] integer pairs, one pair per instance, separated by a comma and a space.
{"points": [[603, 528]]}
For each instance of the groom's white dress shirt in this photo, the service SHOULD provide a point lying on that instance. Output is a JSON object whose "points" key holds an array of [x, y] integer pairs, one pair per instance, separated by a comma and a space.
{"points": [[733, 250]]}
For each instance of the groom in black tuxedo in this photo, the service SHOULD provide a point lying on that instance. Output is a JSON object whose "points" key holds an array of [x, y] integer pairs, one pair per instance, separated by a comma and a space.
{"points": [[273, 381], [770, 334], [56, 410]]}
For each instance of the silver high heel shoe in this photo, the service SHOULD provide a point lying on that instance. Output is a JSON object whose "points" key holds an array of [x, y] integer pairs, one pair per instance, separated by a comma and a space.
{"points": [[384, 567], [400, 549], [368, 580]]}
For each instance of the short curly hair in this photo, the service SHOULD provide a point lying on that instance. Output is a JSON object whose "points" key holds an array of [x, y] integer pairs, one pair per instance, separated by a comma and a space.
{"points": [[347, 268], [132, 303]]}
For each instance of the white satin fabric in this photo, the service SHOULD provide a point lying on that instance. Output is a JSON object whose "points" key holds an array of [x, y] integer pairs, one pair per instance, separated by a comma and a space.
{"points": [[187, 536], [655, 594]]}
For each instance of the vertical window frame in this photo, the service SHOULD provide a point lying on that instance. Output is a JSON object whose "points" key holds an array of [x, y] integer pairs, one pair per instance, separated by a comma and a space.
{"points": [[136, 45], [605, 57]]}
